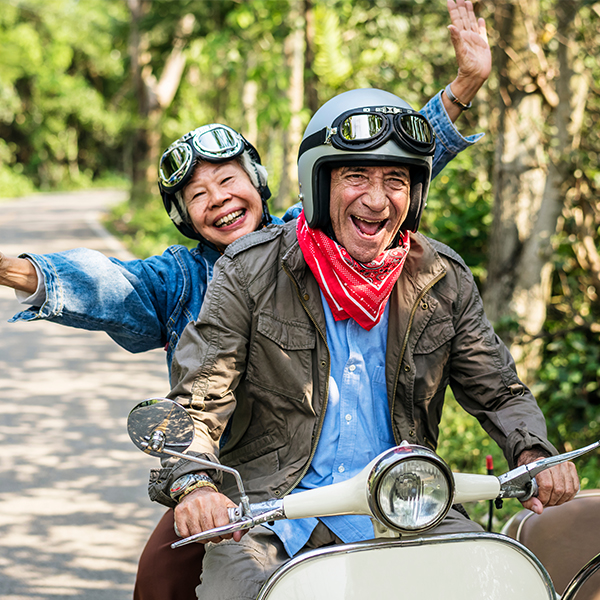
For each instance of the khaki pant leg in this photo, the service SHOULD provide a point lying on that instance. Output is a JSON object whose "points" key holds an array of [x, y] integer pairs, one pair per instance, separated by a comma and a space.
{"points": [[237, 570], [455, 522]]}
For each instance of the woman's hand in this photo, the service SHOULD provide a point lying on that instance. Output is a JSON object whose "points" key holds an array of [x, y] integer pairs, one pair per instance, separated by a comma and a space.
{"points": [[18, 273]]}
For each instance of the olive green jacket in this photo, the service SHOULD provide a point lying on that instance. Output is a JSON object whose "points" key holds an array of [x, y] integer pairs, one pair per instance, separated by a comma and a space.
{"points": [[253, 370]]}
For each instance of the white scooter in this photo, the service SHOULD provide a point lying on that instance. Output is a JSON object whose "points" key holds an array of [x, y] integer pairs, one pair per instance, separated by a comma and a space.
{"points": [[407, 491]]}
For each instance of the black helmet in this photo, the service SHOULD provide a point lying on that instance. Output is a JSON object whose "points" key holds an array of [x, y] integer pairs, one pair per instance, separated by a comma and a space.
{"points": [[366, 127], [214, 143]]}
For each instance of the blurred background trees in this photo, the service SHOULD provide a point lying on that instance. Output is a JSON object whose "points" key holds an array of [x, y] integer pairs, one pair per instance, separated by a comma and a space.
{"points": [[91, 91]]}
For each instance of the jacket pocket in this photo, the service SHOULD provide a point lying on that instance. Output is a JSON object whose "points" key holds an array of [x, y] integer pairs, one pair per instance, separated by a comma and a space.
{"points": [[286, 347], [246, 452], [290, 335], [431, 357]]}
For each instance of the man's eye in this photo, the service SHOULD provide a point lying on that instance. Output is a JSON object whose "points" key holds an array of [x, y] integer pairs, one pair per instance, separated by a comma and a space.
{"points": [[397, 183], [226, 180], [356, 177]]}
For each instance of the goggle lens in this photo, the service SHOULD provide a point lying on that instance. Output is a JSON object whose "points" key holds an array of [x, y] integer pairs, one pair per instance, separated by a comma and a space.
{"points": [[174, 164], [361, 127], [416, 128], [218, 142]]}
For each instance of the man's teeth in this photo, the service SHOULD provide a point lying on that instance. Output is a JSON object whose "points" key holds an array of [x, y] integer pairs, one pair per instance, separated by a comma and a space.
{"points": [[230, 218], [367, 226]]}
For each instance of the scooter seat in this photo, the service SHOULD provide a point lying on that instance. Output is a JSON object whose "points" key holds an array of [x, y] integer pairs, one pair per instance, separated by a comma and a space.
{"points": [[564, 538]]}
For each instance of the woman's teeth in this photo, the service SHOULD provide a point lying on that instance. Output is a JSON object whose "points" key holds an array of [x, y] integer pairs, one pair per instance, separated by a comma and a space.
{"points": [[230, 218]]}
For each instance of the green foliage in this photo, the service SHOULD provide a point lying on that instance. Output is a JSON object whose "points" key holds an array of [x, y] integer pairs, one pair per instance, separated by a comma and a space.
{"points": [[458, 210], [145, 231], [60, 66], [464, 445]]}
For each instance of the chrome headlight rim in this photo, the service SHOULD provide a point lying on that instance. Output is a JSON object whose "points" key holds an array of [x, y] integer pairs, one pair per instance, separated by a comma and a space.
{"points": [[388, 461]]}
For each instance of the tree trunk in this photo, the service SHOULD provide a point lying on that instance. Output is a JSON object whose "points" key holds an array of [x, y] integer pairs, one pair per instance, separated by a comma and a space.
{"points": [[295, 47], [153, 97], [530, 170]]}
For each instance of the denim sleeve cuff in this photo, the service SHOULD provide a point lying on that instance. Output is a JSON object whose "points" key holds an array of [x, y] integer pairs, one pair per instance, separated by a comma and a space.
{"points": [[447, 134]]}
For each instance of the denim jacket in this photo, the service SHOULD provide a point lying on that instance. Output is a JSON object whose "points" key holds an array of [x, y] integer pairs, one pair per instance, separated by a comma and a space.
{"points": [[146, 304]]}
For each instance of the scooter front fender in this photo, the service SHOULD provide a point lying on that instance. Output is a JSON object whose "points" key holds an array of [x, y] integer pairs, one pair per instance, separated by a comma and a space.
{"points": [[468, 566]]}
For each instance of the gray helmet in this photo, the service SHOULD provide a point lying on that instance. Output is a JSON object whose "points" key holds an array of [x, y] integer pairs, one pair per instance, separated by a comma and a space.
{"points": [[366, 127]]}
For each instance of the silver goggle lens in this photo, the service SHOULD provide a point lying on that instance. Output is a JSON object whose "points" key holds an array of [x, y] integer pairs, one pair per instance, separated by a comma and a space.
{"points": [[413, 494], [218, 143], [416, 128], [361, 127], [175, 164]]}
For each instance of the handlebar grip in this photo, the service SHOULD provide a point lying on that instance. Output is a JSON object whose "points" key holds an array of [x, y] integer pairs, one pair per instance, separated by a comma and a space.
{"points": [[533, 491]]}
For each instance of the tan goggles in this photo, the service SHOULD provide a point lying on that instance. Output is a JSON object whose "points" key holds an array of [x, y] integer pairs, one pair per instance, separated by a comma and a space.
{"points": [[214, 143]]}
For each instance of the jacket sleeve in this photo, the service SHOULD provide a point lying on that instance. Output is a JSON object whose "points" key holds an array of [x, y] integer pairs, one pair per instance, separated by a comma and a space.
{"points": [[485, 382], [449, 141], [129, 300], [208, 364]]}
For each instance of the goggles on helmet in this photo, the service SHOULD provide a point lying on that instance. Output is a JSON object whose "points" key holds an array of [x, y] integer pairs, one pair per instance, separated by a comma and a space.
{"points": [[371, 127], [215, 143]]}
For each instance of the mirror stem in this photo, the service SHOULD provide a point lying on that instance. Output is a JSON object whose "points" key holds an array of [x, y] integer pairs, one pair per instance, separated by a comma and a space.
{"points": [[245, 501]]}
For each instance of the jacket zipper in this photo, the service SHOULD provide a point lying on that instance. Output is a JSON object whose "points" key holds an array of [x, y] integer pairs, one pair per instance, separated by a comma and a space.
{"points": [[322, 416], [410, 323]]}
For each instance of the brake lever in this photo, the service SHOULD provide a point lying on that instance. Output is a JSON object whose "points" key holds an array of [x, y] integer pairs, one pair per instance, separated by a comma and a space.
{"points": [[520, 482], [271, 510]]}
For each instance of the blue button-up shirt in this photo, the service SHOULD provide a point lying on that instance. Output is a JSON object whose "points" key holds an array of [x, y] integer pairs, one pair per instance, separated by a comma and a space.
{"points": [[357, 425]]}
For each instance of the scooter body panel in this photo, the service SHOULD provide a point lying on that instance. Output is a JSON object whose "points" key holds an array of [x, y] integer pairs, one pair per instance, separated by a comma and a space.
{"points": [[454, 567]]}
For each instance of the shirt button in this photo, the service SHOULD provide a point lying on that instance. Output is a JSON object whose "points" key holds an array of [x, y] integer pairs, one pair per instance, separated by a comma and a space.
{"points": [[352, 368], [306, 297], [341, 469], [348, 418]]}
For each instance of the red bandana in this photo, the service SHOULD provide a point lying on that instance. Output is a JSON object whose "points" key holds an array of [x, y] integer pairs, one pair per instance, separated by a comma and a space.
{"points": [[352, 289]]}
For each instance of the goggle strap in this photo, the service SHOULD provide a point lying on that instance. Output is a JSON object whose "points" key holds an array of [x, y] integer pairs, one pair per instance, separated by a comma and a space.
{"points": [[312, 141]]}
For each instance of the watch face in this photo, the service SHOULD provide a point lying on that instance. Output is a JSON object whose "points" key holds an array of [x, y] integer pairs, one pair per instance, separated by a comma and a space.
{"points": [[180, 484]]}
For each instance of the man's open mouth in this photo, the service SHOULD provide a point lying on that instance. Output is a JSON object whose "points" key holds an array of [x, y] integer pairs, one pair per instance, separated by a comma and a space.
{"points": [[230, 218], [368, 227]]}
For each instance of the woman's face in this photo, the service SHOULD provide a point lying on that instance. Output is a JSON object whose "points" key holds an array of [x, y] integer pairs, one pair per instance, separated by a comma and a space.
{"points": [[222, 203]]}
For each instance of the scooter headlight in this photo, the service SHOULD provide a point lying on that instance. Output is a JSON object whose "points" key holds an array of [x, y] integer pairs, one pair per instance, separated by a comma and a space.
{"points": [[410, 489]]}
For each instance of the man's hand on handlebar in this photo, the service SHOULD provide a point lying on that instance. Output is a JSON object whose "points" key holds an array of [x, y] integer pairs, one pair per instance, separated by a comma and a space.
{"points": [[556, 485], [201, 510]]}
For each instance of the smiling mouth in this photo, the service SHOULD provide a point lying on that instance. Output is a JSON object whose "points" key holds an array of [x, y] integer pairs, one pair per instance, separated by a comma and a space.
{"points": [[230, 218], [367, 227]]}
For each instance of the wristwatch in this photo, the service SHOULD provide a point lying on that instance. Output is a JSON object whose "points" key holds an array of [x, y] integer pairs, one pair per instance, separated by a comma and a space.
{"points": [[185, 481]]}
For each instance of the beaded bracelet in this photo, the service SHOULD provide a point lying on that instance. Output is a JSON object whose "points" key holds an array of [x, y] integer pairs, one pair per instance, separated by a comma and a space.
{"points": [[195, 486]]}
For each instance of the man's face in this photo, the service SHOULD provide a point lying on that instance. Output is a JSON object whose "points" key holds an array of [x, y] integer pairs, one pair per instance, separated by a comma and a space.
{"points": [[367, 207], [222, 202]]}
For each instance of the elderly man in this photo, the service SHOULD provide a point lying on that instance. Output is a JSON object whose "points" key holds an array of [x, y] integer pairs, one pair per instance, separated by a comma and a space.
{"points": [[323, 342]]}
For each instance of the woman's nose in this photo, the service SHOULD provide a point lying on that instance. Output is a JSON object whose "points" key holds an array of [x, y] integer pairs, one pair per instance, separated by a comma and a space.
{"points": [[218, 196]]}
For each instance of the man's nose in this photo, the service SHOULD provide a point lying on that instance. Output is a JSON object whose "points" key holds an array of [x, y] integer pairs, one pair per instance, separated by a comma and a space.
{"points": [[376, 197]]}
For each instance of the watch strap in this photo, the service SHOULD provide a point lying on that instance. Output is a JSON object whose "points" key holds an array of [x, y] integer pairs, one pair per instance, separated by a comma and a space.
{"points": [[183, 483]]}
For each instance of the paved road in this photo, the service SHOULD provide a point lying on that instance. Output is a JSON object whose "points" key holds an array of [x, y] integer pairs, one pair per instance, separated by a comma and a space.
{"points": [[74, 514]]}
